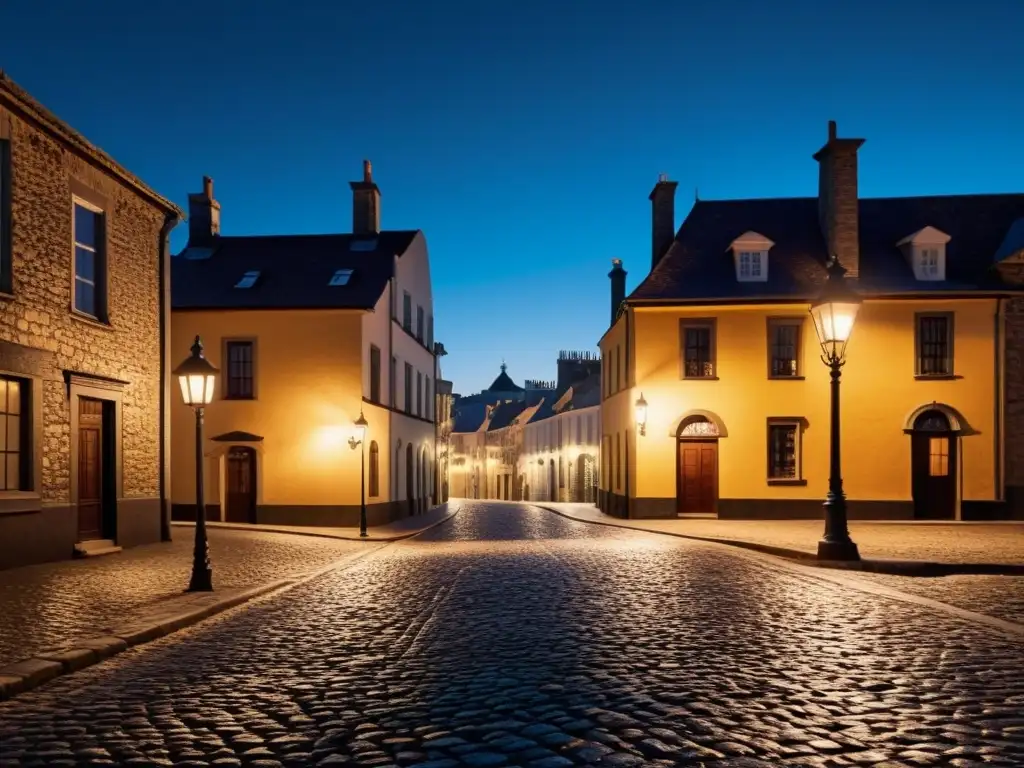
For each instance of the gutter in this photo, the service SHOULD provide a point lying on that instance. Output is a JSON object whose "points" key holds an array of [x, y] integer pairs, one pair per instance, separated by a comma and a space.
{"points": [[164, 281]]}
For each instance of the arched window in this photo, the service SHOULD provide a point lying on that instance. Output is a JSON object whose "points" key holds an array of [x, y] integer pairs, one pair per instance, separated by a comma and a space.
{"points": [[698, 426], [932, 421], [374, 469]]}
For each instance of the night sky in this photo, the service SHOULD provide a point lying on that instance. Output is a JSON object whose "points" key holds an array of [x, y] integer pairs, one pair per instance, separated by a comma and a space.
{"points": [[524, 137]]}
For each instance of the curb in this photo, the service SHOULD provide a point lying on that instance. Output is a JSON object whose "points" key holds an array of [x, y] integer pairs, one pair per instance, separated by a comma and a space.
{"points": [[316, 534], [918, 568], [22, 676]]}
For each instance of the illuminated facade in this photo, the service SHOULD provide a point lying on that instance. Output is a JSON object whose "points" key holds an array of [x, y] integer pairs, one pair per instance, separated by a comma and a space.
{"points": [[308, 331], [717, 343]]}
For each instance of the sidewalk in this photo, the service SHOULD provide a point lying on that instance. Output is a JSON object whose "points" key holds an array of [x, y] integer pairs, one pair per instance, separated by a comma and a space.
{"points": [[399, 529], [958, 544]]}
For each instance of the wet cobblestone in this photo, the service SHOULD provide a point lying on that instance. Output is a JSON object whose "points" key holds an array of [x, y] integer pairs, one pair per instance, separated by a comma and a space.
{"points": [[512, 637], [43, 605], [999, 596]]}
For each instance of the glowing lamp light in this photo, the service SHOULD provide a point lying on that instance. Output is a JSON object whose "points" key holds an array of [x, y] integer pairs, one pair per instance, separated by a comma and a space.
{"points": [[197, 377], [359, 433], [833, 313], [641, 414]]}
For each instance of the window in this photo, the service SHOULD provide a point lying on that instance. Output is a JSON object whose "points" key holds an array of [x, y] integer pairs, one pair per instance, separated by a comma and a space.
{"points": [[935, 345], [618, 461], [393, 383], [751, 265], [430, 333], [14, 447], [783, 450], [930, 264], [590, 425], [239, 355], [407, 311], [408, 388], [698, 342], [419, 393], [938, 456], [374, 374], [618, 368], [90, 298], [374, 479], [426, 398], [6, 243], [784, 347], [248, 279], [341, 277], [419, 323]]}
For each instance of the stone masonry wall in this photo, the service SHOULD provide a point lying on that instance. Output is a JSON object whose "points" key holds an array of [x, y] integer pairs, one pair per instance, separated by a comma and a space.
{"points": [[44, 173], [1013, 272]]}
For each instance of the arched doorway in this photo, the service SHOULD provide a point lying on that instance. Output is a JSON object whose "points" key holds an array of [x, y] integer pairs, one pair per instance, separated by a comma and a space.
{"points": [[552, 488], [410, 481], [697, 467], [933, 466], [240, 493]]}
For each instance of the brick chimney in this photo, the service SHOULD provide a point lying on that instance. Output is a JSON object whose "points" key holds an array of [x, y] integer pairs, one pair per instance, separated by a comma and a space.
{"points": [[837, 198], [365, 203], [618, 278], [663, 217], [203, 215]]}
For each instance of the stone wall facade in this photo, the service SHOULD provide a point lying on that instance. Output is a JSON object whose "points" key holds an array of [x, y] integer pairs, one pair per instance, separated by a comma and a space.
{"points": [[64, 355]]}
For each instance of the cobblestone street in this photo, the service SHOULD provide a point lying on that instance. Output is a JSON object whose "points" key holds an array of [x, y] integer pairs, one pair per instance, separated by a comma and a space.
{"points": [[512, 636], [45, 604]]}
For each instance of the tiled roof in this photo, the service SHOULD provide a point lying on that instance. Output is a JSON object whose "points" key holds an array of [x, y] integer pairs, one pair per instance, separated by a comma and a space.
{"points": [[294, 271], [504, 383], [699, 267], [505, 413], [469, 417]]}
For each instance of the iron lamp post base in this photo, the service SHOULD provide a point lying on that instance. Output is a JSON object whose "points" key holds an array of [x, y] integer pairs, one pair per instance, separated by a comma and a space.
{"points": [[837, 550], [202, 581]]}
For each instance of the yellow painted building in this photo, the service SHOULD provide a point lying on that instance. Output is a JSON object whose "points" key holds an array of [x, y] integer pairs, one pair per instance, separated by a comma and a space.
{"points": [[717, 342], [309, 332]]}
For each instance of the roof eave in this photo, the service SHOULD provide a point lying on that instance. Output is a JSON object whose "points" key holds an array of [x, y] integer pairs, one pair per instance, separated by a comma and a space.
{"points": [[23, 102]]}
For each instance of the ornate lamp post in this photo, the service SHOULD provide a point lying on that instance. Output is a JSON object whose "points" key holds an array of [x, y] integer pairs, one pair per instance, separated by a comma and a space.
{"points": [[353, 443], [833, 313], [641, 414], [197, 377]]}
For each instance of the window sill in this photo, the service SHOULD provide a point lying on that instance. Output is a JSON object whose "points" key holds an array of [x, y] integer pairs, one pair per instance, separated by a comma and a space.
{"points": [[936, 376], [785, 378], [787, 481], [19, 502], [699, 378], [89, 320]]}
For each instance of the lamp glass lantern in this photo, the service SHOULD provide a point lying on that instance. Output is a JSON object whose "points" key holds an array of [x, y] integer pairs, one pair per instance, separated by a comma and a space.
{"points": [[360, 425], [197, 377], [834, 313], [640, 411]]}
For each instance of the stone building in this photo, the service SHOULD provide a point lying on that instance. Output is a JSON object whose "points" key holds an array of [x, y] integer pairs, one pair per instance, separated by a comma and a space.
{"points": [[310, 332], [717, 341], [84, 366]]}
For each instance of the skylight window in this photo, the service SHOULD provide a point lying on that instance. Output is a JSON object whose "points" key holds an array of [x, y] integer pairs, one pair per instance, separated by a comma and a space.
{"points": [[341, 277], [248, 279], [363, 245]]}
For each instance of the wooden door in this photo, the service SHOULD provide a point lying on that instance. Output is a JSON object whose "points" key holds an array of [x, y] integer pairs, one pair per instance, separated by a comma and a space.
{"points": [[240, 496], [933, 475], [90, 469], [698, 477], [552, 488]]}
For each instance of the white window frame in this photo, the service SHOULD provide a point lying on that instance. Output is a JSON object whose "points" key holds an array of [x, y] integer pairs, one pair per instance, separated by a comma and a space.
{"points": [[750, 266], [930, 262], [99, 261]]}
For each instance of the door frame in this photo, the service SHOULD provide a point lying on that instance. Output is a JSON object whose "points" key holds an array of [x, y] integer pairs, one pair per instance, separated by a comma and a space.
{"points": [[254, 460], [219, 452], [110, 392], [715, 434], [958, 428]]}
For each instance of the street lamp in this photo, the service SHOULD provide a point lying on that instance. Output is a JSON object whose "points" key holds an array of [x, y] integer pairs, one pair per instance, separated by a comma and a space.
{"points": [[641, 414], [353, 443], [833, 313], [197, 377]]}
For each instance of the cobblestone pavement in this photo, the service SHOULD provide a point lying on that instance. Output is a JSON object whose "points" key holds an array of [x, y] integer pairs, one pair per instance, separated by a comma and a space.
{"points": [[511, 636], [938, 542], [43, 605], [999, 596]]}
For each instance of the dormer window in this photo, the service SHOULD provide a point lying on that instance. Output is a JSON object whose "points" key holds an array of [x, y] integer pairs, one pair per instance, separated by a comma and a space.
{"points": [[750, 253], [925, 250], [341, 277], [248, 279]]}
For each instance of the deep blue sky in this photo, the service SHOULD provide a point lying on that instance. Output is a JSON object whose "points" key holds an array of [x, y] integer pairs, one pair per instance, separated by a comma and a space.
{"points": [[524, 137]]}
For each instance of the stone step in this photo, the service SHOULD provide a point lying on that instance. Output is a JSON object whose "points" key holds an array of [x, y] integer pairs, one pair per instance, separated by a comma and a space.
{"points": [[96, 548]]}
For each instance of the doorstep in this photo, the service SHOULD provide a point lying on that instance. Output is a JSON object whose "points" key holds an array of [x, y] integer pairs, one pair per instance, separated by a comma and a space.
{"points": [[96, 548]]}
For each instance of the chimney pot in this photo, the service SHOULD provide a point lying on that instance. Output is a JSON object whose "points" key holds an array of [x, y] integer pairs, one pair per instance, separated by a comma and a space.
{"points": [[367, 171], [663, 217], [618, 278], [203, 215], [365, 203], [208, 187], [832, 130]]}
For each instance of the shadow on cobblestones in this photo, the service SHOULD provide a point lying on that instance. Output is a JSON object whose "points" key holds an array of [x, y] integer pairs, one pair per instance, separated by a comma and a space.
{"points": [[513, 637]]}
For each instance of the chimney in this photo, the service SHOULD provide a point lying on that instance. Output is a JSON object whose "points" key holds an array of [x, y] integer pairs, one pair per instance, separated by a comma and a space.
{"points": [[663, 217], [837, 198], [365, 203], [618, 278], [203, 215]]}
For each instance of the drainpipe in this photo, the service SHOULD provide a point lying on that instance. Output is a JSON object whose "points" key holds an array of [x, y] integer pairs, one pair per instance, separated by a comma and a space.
{"points": [[164, 265]]}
